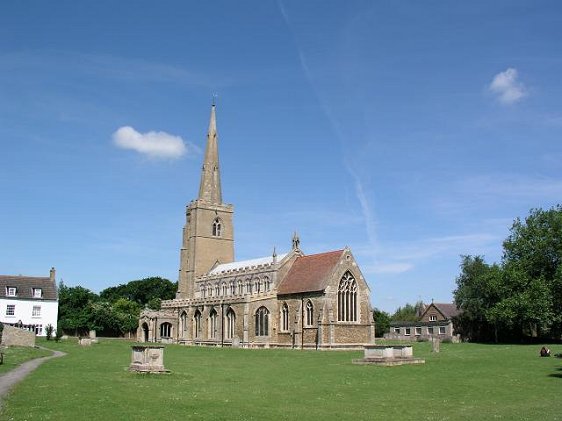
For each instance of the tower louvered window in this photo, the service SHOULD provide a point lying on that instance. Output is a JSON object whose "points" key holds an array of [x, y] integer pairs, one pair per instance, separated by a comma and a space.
{"points": [[347, 298], [217, 228]]}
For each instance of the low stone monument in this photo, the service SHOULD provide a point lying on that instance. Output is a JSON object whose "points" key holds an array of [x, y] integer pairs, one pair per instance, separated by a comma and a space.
{"points": [[84, 341], [388, 355], [435, 344], [147, 359]]}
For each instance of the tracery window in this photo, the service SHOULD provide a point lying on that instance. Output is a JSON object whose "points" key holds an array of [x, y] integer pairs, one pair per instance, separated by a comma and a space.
{"points": [[165, 330], [248, 287], [285, 318], [257, 286], [262, 321], [197, 324], [217, 228], [347, 298], [309, 319], [213, 324], [230, 323]]}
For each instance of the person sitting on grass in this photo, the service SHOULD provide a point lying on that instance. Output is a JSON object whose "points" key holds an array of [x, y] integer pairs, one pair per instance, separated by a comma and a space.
{"points": [[545, 352]]}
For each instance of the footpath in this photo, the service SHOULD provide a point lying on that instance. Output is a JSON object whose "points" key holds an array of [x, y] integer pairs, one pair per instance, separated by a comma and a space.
{"points": [[11, 378]]}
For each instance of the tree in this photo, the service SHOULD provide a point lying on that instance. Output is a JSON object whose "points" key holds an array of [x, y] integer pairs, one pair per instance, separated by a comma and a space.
{"points": [[141, 291], [74, 308], [382, 322], [408, 313]]}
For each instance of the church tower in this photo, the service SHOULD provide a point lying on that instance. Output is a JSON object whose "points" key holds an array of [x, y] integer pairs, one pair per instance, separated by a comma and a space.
{"points": [[208, 234]]}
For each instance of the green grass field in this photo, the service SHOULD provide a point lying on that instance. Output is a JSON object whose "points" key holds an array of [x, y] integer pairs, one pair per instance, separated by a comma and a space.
{"points": [[463, 381]]}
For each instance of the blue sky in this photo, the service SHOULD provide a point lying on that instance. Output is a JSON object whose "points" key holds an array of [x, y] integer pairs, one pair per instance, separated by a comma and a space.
{"points": [[412, 132]]}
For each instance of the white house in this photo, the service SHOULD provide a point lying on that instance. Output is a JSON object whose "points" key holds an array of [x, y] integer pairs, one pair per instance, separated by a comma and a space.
{"points": [[29, 302]]}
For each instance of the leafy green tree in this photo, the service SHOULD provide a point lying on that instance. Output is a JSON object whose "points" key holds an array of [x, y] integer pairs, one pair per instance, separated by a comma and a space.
{"points": [[75, 308], [408, 313], [382, 322], [141, 291]]}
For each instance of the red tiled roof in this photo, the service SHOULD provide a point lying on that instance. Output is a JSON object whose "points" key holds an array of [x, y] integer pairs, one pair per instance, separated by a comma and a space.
{"points": [[309, 273], [25, 285]]}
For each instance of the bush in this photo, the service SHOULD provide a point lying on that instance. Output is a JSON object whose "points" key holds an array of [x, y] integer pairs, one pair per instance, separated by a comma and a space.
{"points": [[58, 335], [49, 331]]}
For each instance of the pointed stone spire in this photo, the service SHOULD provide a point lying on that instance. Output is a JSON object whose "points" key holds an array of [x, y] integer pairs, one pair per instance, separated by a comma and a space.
{"points": [[210, 188], [296, 241]]}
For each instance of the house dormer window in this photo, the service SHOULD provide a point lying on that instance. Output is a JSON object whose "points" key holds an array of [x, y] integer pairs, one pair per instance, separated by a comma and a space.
{"points": [[217, 228], [11, 291], [37, 293], [432, 318]]}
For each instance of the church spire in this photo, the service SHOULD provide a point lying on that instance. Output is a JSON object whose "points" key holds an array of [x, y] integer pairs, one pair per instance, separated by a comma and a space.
{"points": [[210, 188]]}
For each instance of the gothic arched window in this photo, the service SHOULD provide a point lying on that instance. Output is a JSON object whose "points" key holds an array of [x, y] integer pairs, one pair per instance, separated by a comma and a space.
{"points": [[197, 324], [309, 313], [217, 228], [230, 323], [262, 321], [183, 324], [347, 298], [213, 324], [285, 318]]}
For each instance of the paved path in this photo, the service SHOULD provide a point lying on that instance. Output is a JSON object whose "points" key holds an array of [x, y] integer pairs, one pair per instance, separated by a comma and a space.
{"points": [[8, 380]]}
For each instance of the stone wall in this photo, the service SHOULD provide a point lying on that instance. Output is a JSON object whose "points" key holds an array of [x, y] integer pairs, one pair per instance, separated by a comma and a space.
{"points": [[13, 336]]}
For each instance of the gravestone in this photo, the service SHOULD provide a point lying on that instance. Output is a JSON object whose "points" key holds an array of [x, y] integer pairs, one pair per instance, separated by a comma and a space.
{"points": [[435, 344]]}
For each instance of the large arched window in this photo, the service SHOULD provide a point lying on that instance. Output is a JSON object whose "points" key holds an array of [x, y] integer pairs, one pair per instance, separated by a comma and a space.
{"points": [[347, 298], [230, 323], [217, 228], [262, 322], [197, 324], [213, 324], [309, 319], [285, 318], [165, 330]]}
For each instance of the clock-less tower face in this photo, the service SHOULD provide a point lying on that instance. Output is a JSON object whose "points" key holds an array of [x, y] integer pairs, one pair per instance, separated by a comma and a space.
{"points": [[208, 234]]}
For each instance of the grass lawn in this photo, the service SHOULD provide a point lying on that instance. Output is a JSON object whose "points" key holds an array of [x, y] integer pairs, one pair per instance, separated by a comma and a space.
{"points": [[14, 356], [463, 381]]}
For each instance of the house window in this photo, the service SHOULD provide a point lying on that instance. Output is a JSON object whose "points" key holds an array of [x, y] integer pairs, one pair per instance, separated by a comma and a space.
{"points": [[11, 291], [37, 293], [417, 331], [230, 323], [38, 329], [197, 324], [166, 330], [262, 322], [11, 310], [285, 318], [408, 331], [347, 298], [430, 330], [309, 313], [36, 312], [213, 324], [217, 228], [442, 330], [433, 318], [397, 330]]}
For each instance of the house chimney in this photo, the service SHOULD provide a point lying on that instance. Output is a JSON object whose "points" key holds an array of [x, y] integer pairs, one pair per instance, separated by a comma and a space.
{"points": [[52, 273]]}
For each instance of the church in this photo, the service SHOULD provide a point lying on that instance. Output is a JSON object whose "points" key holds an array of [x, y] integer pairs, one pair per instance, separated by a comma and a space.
{"points": [[294, 300]]}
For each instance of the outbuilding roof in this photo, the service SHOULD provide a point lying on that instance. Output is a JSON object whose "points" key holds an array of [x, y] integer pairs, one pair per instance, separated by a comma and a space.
{"points": [[310, 273]]}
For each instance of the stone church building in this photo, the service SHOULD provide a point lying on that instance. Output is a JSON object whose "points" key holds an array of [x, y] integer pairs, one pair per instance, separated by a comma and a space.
{"points": [[282, 300]]}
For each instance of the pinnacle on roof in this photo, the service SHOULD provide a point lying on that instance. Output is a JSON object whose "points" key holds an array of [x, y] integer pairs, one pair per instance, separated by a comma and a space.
{"points": [[210, 188]]}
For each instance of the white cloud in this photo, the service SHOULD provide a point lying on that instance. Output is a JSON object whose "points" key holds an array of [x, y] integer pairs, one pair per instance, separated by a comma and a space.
{"points": [[152, 144], [507, 88]]}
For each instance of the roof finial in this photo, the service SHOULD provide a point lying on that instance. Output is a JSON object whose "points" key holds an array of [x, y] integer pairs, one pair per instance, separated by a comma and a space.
{"points": [[274, 256], [214, 103], [296, 241]]}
